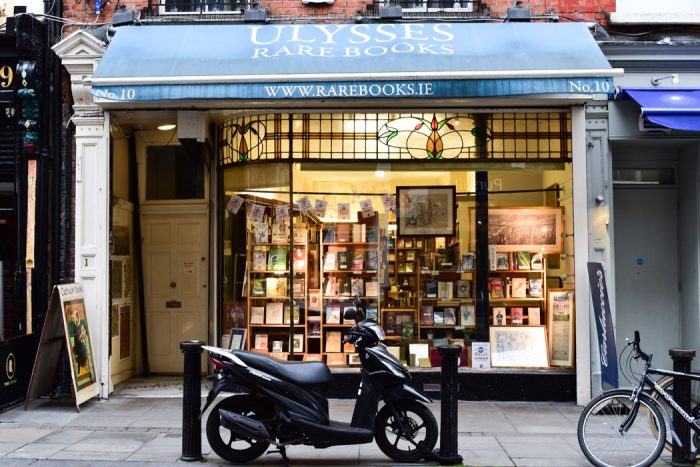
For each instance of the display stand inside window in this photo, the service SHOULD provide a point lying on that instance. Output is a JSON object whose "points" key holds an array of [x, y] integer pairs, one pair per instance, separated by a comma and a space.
{"points": [[277, 284], [349, 268]]}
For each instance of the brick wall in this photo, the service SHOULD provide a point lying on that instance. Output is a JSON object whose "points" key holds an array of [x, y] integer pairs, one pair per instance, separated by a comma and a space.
{"points": [[347, 10]]}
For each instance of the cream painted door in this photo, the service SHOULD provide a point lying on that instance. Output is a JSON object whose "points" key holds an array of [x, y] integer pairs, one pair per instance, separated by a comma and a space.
{"points": [[175, 247]]}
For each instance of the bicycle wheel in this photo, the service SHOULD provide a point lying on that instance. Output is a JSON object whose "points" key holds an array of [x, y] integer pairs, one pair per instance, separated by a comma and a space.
{"points": [[666, 384], [603, 442]]}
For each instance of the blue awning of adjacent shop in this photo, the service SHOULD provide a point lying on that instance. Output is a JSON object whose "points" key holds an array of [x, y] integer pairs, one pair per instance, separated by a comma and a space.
{"points": [[344, 61], [678, 109]]}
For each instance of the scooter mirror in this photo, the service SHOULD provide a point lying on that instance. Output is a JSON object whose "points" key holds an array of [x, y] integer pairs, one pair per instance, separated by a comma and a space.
{"points": [[350, 314]]}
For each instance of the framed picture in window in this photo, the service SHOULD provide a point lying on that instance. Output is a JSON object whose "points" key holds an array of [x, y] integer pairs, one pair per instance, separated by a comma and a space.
{"points": [[537, 229], [518, 346], [560, 324], [238, 339], [425, 210]]}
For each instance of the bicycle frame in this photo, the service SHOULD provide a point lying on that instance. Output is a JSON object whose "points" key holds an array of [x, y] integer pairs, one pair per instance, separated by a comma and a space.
{"points": [[648, 381]]}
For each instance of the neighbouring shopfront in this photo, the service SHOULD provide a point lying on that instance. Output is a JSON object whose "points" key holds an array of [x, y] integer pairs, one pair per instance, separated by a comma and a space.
{"points": [[437, 171], [26, 266]]}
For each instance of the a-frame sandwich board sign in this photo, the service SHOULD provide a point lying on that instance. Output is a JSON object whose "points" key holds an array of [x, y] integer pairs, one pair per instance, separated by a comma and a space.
{"points": [[66, 326]]}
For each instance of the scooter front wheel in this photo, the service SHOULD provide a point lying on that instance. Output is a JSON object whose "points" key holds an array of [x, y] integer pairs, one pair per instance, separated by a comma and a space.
{"points": [[228, 445], [401, 425]]}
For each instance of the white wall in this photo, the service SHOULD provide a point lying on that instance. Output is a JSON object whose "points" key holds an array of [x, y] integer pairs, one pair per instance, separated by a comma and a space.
{"points": [[654, 11]]}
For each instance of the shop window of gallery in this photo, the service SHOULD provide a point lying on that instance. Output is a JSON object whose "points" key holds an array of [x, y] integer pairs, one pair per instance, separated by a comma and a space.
{"points": [[174, 7], [285, 289]]}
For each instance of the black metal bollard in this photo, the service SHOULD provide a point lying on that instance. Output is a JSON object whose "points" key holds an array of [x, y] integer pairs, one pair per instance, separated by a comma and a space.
{"points": [[448, 404], [191, 401], [680, 455]]}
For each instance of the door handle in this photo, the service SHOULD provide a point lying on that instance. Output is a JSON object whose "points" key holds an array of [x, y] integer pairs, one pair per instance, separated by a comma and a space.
{"points": [[173, 285]]}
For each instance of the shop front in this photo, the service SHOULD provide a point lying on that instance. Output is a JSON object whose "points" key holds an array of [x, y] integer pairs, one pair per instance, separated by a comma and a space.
{"points": [[436, 171]]}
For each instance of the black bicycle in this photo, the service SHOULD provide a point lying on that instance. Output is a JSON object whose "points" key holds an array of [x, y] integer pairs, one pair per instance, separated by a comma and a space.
{"points": [[627, 427]]}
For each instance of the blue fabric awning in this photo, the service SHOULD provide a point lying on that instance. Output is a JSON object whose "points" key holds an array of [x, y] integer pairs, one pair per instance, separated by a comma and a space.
{"points": [[345, 61], [678, 109]]}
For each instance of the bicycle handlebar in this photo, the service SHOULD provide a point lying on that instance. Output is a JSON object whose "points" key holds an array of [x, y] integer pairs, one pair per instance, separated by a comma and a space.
{"points": [[638, 350]]}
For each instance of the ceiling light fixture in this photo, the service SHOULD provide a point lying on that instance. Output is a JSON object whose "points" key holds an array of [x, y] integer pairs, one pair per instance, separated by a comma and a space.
{"points": [[166, 126]]}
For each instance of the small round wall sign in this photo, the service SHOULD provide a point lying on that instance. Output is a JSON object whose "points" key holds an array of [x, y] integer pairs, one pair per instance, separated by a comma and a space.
{"points": [[10, 366]]}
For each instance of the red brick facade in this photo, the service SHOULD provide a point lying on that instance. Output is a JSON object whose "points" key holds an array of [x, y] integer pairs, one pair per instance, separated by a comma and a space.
{"points": [[347, 10]]}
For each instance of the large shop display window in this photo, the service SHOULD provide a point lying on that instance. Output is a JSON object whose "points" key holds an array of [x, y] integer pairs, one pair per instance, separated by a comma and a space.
{"points": [[322, 208]]}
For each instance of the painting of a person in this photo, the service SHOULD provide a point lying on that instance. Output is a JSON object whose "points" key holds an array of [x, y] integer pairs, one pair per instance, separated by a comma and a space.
{"points": [[80, 348]]}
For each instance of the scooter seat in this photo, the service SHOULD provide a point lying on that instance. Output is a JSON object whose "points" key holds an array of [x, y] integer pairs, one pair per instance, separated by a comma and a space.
{"points": [[301, 373]]}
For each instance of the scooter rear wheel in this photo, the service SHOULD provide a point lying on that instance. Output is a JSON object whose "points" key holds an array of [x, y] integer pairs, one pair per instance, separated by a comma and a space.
{"points": [[228, 445], [398, 437]]}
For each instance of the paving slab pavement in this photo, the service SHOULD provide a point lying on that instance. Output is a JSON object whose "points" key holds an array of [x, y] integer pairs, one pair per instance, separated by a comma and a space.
{"points": [[144, 428]]}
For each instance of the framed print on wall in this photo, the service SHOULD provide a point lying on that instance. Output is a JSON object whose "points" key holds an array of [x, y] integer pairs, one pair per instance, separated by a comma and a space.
{"points": [[560, 323], [426, 210], [238, 339], [537, 229]]}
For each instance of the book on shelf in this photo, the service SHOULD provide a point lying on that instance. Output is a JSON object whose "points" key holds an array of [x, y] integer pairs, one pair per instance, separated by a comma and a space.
{"points": [[314, 325], [536, 288], [337, 359], [499, 315], [426, 315], [357, 286], [463, 289], [516, 315], [276, 286], [277, 346], [372, 289], [260, 232], [333, 341], [329, 234], [537, 261], [407, 330], [372, 313], [342, 313], [533, 316], [431, 288], [298, 286], [279, 355], [371, 261], [274, 312], [456, 341], [301, 233], [344, 286], [257, 315], [449, 316], [330, 262], [492, 257], [279, 232], [333, 314], [343, 261], [371, 234], [225, 341], [359, 233], [259, 260], [261, 342], [331, 286], [522, 260], [299, 259], [258, 286], [496, 287], [348, 347], [518, 287], [467, 261], [277, 258], [354, 359], [467, 316], [502, 261], [297, 314], [343, 233], [298, 342], [358, 261], [438, 341], [438, 317], [395, 351]]}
